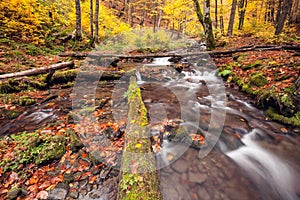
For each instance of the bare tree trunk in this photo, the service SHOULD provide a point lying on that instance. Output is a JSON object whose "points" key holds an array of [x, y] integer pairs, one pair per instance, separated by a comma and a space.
{"points": [[91, 19], [78, 34], [231, 20], [287, 4], [216, 13], [97, 21]]}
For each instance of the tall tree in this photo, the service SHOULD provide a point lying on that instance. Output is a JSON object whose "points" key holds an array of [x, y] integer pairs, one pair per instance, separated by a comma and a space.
{"points": [[78, 34], [283, 12], [222, 19], [97, 21], [216, 13], [206, 23], [294, 12], [91, 19], [231, 19], [242, 11]]}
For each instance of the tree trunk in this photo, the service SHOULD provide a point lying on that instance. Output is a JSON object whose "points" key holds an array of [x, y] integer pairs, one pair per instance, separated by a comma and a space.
{"points": [[242, 11], [294, 12], [231, 19], [91, 19], [222, 19], [78, 35], [209, 35], [160, 16], [198, 12], [283, 15], [279, 10], [132, 15], [97, 21], [139, 178], [216, 13]]}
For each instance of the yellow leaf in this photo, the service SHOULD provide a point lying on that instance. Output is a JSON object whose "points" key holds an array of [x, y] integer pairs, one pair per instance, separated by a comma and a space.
{"points": [[138, 145], [140, 178]]}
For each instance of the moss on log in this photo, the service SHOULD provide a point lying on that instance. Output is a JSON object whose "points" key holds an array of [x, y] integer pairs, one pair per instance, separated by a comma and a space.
{"points": [[139, 179]]}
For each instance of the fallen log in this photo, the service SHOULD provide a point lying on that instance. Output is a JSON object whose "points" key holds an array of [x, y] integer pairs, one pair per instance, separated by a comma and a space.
{"points": [[139, 178], [198, 53], [36, 71]]}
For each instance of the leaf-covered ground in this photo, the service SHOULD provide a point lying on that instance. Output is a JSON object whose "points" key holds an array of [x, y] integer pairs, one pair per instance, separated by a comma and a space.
{"points": [[269, 76]]}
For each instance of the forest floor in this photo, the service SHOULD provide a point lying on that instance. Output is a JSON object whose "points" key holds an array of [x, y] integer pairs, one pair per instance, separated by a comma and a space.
{"points": [[67, 165]]}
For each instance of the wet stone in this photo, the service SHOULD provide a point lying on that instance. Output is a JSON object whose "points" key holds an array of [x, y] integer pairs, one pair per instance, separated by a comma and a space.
{"points": [[57, 194], [197, 177], [203, 194], [68, 177], [180, 166]]}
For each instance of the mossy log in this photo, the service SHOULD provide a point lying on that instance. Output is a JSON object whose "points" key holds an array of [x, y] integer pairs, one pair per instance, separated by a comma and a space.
{"points": [[139, 179]]}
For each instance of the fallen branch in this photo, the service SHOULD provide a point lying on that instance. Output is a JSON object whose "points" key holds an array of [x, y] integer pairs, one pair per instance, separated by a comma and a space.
{"points": [[36, 71], [212, 53]]}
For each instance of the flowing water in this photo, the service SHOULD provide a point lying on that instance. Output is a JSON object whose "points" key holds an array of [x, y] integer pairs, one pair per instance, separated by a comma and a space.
{"points": [[245, 156]]}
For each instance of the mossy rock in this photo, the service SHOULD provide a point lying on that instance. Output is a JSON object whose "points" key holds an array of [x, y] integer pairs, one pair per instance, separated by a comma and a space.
{"points": [[55, 149], [13, 193], [240, 57], [258, 79], [25, 101], [250, 66], [75, 142], [6, 88], [9, 114], [180, 134]]}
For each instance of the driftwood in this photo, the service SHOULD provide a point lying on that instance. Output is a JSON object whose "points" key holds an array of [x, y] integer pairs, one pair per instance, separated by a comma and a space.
{"points": [[212, 53], [36, 71], [139, 178]]}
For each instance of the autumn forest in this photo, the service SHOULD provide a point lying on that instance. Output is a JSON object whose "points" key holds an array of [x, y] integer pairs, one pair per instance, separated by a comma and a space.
{"points": [[161, 99]]}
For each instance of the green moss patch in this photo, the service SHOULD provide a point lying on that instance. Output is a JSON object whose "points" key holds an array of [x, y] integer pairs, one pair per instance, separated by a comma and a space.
{"points": [[64, 76], [31, 148], [293, 121], [258, 79]]}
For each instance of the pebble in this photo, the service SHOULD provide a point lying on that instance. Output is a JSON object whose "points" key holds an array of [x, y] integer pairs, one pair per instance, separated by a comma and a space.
{"points": [[74, 194], [58, 194]]}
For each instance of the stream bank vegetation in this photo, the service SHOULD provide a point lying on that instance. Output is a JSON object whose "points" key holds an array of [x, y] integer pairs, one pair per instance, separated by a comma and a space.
{"points": [[270, 77]]}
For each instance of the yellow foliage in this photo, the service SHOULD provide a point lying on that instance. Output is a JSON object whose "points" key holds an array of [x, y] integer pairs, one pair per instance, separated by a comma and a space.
{"points": [[33, 20]]}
